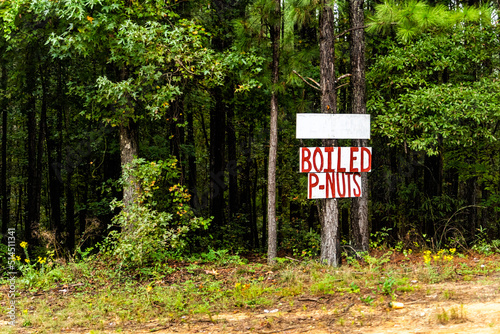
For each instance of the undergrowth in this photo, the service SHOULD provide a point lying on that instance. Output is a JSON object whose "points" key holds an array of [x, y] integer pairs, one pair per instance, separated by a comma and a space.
{"points": [[91, 293]]}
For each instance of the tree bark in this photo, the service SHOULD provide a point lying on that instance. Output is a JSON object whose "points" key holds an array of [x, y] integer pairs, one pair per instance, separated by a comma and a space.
{"points": [[4, 193], [128, 150], [232, 165], [217, 143], [272, 248], [192, 182], [31, 224], [359, 210], [328, 209]]}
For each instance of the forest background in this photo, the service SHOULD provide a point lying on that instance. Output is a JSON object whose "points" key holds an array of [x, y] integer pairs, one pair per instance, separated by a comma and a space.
{"points": [[142, 128]]}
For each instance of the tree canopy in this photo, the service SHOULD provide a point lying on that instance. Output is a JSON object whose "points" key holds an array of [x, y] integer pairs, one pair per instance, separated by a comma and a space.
{"points": [[148, 125]]}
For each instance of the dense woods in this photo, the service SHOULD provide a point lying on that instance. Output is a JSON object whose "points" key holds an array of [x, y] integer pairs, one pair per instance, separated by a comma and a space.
{"points": [[153, 128]]}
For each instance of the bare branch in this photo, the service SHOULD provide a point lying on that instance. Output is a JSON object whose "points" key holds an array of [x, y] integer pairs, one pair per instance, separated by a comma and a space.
{"points": [[342, 77], [341, 85], [185, 68], [349, 30], [303, 79], [317, 84]]}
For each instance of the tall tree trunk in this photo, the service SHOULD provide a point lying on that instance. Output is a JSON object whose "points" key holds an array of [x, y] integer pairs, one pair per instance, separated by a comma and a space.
{"points": [[359, 210], [433, 181], [191, 159], [31, 224], [3, 181], [55, 180], [70, 211], [254, 204], [328, 209], [128, 150], [217, 143], [232, 165], [272, 249]]}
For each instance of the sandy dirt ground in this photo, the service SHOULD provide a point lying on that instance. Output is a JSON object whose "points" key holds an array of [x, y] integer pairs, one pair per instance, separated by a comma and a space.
{"points": [[442, 308], [452, 307]]}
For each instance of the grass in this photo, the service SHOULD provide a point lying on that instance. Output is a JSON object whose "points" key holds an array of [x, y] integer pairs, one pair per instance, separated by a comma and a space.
{"points": [[452, 315], [93, 295]]}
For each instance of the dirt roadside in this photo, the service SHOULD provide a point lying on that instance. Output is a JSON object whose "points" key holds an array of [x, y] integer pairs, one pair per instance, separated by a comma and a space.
{"points": [[457, 307], [445, 308]]}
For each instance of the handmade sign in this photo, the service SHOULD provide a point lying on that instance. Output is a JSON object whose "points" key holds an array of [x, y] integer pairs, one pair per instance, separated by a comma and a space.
{"points": [[334, 172], [335, 159]]}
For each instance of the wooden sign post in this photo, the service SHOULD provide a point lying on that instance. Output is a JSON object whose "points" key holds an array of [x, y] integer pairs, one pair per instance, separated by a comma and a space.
{"points": [[334, 172]]}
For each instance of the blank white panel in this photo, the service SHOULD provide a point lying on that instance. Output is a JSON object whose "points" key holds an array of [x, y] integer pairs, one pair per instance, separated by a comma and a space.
{"points": [[333, 126]]}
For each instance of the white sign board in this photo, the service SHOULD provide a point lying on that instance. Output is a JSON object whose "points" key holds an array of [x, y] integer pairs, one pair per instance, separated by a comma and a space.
{"points": [[333, 126], [333, 185], [335, 159]]}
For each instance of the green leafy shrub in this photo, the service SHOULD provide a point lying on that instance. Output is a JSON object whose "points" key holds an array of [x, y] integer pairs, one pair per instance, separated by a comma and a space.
{"points": [[147, 234]]}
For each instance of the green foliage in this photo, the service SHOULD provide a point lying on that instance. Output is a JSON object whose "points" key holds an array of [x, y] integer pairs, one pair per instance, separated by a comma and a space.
{"points": [[221, 257], [388, 286], [146, 234], [301, 241], [380, 238], [412, 18], [483, 244], [368, 300]]}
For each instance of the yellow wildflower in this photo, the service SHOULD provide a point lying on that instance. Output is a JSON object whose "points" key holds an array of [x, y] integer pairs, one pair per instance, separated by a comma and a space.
{"points": [[27, 260], [453, 250], [24, 244]]}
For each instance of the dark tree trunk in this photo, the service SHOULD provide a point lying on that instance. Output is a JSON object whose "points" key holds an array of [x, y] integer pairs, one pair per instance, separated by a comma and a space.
{"points": [[433, 177], [359, 210], [3, 181], [232, 164], [272, 248], [191, 159], [70, 211], [54, 163], [246, 198], [254, 205], [264, 207], [217, 142], [178, 135], [471, 189], [31, 228], [328, 209]]}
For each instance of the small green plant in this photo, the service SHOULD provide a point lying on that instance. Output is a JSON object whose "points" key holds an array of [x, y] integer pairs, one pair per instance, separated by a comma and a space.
{"points": [[387, 286], [145, 232], [454, 314], [368, 300], [379, 238], [374, 263], [32, 271], [354, 288]]}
